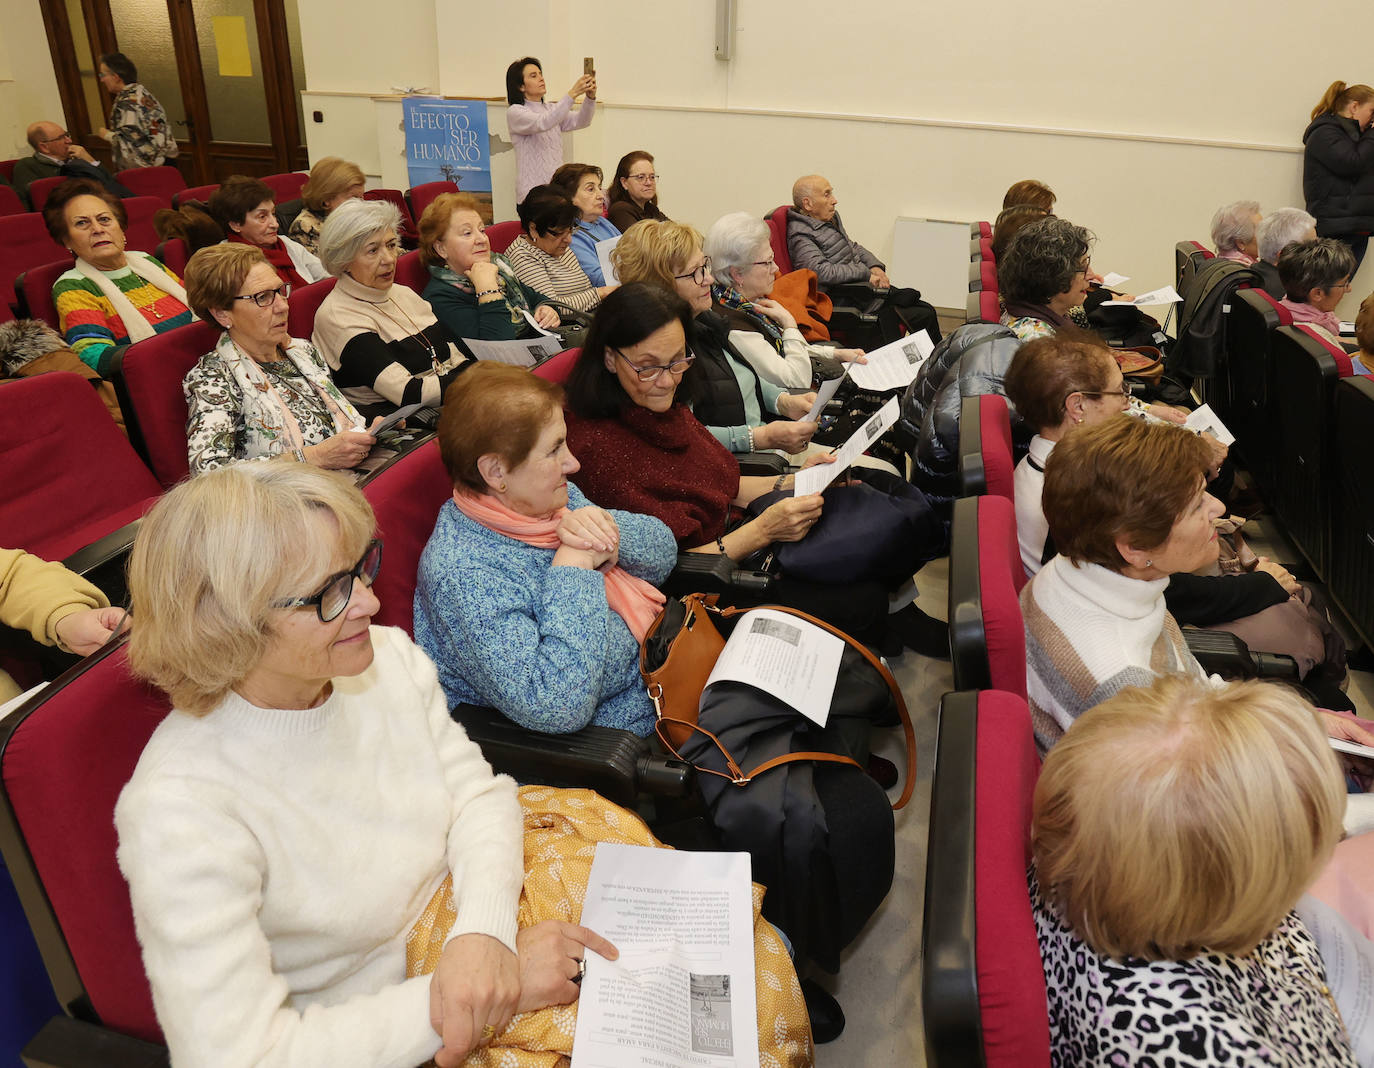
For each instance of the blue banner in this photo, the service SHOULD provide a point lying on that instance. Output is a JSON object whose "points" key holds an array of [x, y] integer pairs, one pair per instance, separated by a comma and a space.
{"points": [[446, 140]]}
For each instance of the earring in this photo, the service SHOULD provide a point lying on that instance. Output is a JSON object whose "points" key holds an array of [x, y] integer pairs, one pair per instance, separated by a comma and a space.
{"points": [[501, 488]]}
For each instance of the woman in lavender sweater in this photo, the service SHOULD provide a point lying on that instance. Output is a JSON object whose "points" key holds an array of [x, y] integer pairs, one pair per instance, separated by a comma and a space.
{"points": [[536, 128]]}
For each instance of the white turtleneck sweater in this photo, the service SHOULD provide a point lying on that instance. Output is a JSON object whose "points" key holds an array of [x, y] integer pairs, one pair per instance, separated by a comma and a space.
{"points": [[1090, 633], [277, 859]]}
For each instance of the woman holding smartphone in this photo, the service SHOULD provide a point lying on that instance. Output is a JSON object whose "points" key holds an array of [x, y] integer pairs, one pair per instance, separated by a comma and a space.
{"points": [[536, 127]]}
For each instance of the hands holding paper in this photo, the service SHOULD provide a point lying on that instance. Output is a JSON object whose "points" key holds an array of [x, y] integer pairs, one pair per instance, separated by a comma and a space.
{"points": [[547, 317], [346, 449]]}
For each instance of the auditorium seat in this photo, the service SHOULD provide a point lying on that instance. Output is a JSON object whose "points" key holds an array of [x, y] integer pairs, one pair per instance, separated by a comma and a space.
{"points": [[1255, 315], [421, 196], [286, 187], [7, 169], [986, 636], [36, 285], [411, 273], [305, 302], [40, 188], [982, 982], [982, 277], [172, 255], [1304, 370], [777, 238], [65, 756], [558, 368], [161, 182], [24, 243], [1188, 257], [502, 235], [982, 307], [147, 378], [1351, 578], [987, 460], [409, 235], [140, 234], [201, 193], [980, 248], [980, 229], [10, 202]]}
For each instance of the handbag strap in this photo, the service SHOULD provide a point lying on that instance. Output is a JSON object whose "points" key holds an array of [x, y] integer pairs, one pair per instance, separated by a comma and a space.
{"points": [[910, 780], [735, 775]]}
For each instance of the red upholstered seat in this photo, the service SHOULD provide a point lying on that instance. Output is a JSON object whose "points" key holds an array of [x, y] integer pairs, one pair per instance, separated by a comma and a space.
{"points": [[406, 498], [7, 169], [10, 202], [421, 196], [777, 237], [140, 234], [24, 243], [286, 186], [305, 302], [503, 234], [558, 368], [66, 756], [70, 475], [40, 188], [148, 379], [36, 284], [987, 636], [172, 254], [985, 249], [999, 460], [161, 182], [411, 273], [198, 192], [982, 229], [396, 197], [988, 275]]}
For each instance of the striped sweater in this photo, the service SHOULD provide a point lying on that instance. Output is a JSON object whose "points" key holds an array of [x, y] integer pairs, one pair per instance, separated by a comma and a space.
{"points": [[92, 327], [562, 279], [1091, 633]]}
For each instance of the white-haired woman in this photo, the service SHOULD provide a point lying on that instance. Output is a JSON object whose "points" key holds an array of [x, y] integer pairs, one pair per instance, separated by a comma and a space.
{"points": [[1234, 230], [762, 330], [1280, 228], [380, 339]]}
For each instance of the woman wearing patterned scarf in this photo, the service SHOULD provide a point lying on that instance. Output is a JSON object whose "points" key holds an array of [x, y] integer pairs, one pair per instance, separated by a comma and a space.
{"points": [[474, 291]]}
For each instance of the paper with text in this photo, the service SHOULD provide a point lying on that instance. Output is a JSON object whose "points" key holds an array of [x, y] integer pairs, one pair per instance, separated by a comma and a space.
{"points": [[795, 661], [682, 992], [603, 256], [1162, 295], [534, 323], [823, 394], [1204, 419], [525, 352], [895, 365], [1111, 279], [814, 479]]}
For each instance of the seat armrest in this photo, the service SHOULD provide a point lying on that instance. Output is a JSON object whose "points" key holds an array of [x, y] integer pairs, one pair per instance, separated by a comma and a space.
{"points": [[1222, 653], [67, 1043], [712, 573], [113, 546], [616, 764], [762, 463]]}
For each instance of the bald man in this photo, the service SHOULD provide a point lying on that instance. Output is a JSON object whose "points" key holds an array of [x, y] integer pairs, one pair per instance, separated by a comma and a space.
{"points": [[817, 241], [55, 153]]}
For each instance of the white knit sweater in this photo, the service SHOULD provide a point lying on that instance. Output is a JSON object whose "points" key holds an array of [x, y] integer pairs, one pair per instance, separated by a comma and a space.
{"points": [[277, 859], [1091, 633]]}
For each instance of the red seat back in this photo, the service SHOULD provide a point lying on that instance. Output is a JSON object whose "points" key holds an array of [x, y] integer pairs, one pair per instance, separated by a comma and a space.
{"points": [[987, 274], [777, 238], [985, 249], [999, 459], [287, 186], [409, 235], [37, 283], [164, 183], [558, 368], [24, 243], [10, 202], [198, 192], [421, 196], [305, 302], [406, 498], [140, 233], [148, 377], [7, 169], [503, 234], [981, 229], [66, 756], [411, 273], [172, 255], [40, 188], [70, 475]]}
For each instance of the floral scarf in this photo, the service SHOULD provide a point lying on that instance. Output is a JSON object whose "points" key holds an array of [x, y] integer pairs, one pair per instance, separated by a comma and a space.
{"points": [[510, 285], [730, 297]]}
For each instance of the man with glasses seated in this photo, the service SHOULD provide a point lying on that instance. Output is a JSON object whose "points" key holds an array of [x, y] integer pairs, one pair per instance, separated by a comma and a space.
{"points": [[817, 241], [54, 154]]}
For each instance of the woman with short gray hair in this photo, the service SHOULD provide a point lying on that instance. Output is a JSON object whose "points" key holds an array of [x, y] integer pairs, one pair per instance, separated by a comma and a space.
{"points": [[1234, 229], [380, 339], [1316, 276], [762, 330], [1043, 275]]}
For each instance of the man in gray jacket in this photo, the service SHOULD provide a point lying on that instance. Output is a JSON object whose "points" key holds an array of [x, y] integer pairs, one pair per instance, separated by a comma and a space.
{"points": [[817, 241]]}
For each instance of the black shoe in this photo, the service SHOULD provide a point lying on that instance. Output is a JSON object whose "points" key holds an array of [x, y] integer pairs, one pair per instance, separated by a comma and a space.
{"points": [[827, 1018], [882, 771], [927, 636]]}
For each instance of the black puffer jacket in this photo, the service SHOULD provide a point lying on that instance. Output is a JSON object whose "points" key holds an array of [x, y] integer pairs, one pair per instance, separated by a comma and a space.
{"points": [[720, 403], [971, 361], [1338, 175]]}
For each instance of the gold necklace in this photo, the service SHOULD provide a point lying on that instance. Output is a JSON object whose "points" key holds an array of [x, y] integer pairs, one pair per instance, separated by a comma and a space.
{"points": [[415, 331]]}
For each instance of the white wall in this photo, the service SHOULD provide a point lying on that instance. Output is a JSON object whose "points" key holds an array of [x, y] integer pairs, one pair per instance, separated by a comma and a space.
{"points": [[28, 86]]}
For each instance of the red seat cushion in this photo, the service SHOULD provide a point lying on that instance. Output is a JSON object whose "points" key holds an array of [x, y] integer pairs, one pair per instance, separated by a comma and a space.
{"points": [[140, 233], [1011, 978], [70, 475], [999, 461], [1285, 316], [987, 272], [558, 368], [286, 186], [24, 243], [421, 196], [989, 310], [64, 768], [1000, 578]]}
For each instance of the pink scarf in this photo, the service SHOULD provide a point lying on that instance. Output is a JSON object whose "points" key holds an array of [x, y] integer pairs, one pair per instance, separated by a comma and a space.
{"points": [[1305, 313], [632, 599]]}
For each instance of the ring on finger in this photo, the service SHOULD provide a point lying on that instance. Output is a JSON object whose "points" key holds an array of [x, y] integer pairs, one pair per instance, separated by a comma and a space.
{"points": [[488, 1032], [581, 970]]}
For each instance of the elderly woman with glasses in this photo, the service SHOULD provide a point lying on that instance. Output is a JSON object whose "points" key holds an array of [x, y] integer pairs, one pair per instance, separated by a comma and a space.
{"points": [[1043, 275], [634, 191], [260, 394], [581, 182], [542, 256], [1316, 277], [382, 341]]}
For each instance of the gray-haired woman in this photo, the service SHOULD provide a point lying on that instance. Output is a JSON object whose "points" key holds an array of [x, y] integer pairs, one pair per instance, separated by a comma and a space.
{"points": [[380, 339], [1235, 231]]}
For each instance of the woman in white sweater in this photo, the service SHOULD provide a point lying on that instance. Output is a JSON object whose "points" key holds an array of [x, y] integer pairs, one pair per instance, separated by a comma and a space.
{"points": [[310, 803]]}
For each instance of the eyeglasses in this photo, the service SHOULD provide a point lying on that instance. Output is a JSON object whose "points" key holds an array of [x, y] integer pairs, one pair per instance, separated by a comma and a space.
{"points": [[1126, 390], [63, 136], [644, 177], [769, 262], [267, 296], [698, 274], [1086, 269], [651, 373], [337, 591]]}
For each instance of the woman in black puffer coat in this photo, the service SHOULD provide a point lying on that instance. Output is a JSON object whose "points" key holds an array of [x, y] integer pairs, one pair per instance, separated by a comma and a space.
{"points": [[1338, 165]]}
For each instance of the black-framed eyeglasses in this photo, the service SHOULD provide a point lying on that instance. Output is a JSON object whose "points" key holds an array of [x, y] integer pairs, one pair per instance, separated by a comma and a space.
{"points": [[337, 591], [698, 274], [267, 296], [651, 373]]}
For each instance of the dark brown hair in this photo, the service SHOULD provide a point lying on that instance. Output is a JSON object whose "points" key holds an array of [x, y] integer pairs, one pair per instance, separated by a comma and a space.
{"points": [[618, 191], [493, 408], [236, 197], [1045, 371], [55, 207], [1123, 478], [569, 176]]}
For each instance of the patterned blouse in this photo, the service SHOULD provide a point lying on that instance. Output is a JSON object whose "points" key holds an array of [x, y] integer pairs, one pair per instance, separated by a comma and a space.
{"points": [[1263, 1009], [142, 136], [305, 230]]}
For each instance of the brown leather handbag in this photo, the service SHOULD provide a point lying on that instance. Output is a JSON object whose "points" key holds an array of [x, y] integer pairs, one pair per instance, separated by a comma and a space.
{"points": [[676, 683]]}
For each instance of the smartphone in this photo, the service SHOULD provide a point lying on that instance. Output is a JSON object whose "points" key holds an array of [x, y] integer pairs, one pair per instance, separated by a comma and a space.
{"points": [[588, 65]]}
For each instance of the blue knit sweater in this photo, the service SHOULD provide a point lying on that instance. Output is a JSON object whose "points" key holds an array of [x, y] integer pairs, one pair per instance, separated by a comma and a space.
{"points": [[508, 629]]}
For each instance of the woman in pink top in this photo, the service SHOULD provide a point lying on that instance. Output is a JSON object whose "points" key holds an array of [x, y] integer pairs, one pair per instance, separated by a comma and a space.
{"points": [[536, 128], [1316, 275]]}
